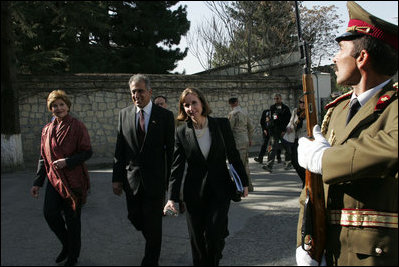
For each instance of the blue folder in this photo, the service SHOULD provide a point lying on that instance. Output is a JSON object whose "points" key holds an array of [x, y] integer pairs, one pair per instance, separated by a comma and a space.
{"points": [[236, 178]]}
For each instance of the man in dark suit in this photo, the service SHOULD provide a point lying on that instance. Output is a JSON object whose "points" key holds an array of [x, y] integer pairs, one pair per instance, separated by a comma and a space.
{"points": [[265, 123], [145, 138], [280, 117]]}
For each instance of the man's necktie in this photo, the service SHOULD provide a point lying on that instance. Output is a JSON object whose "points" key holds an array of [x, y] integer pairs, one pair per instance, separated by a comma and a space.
{"points": [[141, 128], [355, 106]]}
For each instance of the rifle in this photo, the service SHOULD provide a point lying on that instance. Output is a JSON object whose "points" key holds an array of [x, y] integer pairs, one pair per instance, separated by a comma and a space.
{"points": [[314, 221]]}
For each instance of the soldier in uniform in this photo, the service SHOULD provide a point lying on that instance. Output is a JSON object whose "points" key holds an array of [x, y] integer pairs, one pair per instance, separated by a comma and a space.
{"points": [[357, 152], [243, 130]]}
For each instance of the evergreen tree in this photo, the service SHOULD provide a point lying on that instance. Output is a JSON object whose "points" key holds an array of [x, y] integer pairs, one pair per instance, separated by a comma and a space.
{"points": [[11, 143], [98, 36], [37, 40]]}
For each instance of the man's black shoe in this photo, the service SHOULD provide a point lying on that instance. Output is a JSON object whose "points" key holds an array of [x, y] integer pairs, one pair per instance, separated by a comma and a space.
{"points": [[288, 166], [267, 168], [62, 256], [258, 160], [71, 262]]}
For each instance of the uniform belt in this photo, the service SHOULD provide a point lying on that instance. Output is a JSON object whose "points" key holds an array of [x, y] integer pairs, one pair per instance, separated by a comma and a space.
{"points": [[364, 218]]}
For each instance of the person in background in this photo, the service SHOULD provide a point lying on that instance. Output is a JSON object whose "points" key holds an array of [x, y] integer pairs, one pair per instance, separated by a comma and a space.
{"points": [[265, 123], [280, 116], [243, 130], [296, 129], [356, 149], [204, 142], [143, 155], [65, 146], [161, 101]]}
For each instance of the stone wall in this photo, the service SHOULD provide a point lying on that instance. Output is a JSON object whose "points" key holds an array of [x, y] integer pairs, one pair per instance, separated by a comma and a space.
{"points": [[97, 99]]}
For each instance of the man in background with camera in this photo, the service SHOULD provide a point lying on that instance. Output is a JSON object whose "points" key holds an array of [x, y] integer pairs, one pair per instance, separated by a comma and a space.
{"points": [[280, 116]]}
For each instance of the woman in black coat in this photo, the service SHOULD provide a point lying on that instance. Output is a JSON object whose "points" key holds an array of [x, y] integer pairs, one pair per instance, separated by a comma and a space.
{"points": [[203, 142]]}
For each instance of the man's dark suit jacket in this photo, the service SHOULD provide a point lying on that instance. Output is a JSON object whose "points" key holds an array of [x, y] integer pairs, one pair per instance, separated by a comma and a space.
{"points": [[200, 170], [279, 125], [145, 166], [263, 123]]}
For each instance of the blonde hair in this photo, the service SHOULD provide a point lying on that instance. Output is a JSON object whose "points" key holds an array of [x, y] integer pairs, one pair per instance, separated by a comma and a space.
{"points": [[58, 94], [206, 110]]}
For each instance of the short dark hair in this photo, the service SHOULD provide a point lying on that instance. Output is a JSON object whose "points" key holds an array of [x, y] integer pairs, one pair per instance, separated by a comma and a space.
{"points": [[384, 58], [233, 100], [161, 96]]}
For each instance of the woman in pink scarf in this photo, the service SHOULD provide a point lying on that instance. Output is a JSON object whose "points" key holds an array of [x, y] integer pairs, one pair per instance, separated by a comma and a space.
{"points": [[65, 146]]}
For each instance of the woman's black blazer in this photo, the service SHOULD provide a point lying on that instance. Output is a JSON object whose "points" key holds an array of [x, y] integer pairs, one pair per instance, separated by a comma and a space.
{"points": [[200, 171]]}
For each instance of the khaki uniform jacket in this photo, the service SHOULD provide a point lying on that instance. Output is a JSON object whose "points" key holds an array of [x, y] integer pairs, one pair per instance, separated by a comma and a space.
{"points": [[360, 174], [241, 126]]}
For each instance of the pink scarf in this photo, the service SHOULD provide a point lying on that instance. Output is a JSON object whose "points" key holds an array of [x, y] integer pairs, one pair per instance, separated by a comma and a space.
{"points": [[62, 140]]}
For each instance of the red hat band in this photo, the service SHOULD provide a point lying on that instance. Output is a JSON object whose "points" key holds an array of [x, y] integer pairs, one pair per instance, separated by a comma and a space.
{"points": [[360, 26]]}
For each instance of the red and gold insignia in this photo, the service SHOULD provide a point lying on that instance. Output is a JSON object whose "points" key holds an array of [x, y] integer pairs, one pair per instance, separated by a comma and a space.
{"points": [[382, 102], [338, 99]]}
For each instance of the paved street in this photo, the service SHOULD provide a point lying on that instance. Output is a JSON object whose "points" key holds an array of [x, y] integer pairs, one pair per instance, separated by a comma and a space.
{"points": [[262, 226]]}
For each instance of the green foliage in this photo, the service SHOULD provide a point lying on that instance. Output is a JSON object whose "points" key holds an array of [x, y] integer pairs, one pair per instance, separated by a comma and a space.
{"points": [[98, 36]]}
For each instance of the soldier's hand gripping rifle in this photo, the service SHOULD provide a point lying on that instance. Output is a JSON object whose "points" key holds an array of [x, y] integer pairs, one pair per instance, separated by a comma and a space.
{"points": [[313, 224]]}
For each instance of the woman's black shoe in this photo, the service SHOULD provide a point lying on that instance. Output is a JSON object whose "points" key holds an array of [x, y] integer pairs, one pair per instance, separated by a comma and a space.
{"points": [[62, 256], [71, 262]]}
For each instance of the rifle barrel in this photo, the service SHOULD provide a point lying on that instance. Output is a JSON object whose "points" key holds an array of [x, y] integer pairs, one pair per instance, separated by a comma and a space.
{"points": [[313, 239]]}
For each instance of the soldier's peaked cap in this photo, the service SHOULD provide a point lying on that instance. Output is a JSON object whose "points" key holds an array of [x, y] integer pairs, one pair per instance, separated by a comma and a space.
{"points": [[363, 23]]}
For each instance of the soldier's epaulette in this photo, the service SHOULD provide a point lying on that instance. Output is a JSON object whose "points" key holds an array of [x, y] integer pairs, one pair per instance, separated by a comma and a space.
{"points": [[338, 99], [382, 103], [385, 100]]}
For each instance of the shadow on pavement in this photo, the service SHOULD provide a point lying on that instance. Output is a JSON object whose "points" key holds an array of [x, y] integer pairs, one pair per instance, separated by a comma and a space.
{"points": [[262, 227]]}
